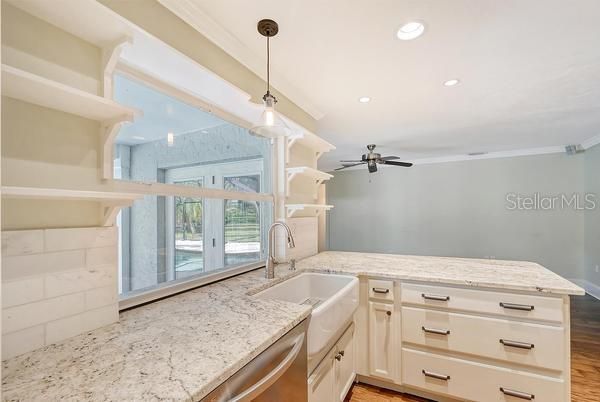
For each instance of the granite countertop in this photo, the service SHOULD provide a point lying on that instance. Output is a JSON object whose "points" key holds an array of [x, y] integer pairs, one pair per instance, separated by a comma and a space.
{"points": [[482, 273], [183, 347], [176, 349]]}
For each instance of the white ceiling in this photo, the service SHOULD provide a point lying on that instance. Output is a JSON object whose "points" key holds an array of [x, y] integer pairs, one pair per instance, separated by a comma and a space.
{"points": [[529, 70]]}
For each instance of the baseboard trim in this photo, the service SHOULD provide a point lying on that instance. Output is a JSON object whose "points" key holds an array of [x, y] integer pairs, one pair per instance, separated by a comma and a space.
{"points": [[590, 288], [403, 389]]}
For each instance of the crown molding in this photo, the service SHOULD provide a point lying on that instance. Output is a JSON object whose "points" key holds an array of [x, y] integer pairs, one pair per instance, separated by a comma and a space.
{"points": [[464, 157], [196, 17], [492, 155], [590, 142]]}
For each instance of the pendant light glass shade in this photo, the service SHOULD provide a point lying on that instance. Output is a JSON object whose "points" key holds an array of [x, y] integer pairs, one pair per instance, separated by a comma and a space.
{"points": [[270, 125]]}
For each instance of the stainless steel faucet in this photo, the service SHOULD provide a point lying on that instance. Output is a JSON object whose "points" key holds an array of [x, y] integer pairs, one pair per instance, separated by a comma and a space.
{"points": [[270, 267]]}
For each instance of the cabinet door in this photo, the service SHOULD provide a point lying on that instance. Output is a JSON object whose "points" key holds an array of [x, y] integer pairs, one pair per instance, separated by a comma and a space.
{"points": [[381, 340], [321, 382], [344, 364]]}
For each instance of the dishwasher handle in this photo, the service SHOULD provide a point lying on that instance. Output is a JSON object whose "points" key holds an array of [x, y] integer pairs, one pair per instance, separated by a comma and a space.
{"points": [[268, 380]]}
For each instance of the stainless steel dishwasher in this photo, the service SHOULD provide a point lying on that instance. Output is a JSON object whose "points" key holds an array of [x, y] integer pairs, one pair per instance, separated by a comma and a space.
{"points": [[276, 375]]}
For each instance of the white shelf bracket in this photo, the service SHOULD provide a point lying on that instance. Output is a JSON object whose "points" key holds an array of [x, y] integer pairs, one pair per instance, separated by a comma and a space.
{"points": [[318, 182], [288, 149], [110, 210], [110, 57], [318, 155], [108, 134], [290, 177], [109, 214]]}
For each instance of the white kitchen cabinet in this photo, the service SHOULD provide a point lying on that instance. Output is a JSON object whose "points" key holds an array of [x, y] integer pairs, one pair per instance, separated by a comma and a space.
{"points": [[321, 382], [463, 342], [475, 381], [344, 365], [382, 345], [333, 377]]}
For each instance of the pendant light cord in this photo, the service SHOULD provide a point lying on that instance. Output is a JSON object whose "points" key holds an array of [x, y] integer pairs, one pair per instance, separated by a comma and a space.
{"points": [[268, 67]]}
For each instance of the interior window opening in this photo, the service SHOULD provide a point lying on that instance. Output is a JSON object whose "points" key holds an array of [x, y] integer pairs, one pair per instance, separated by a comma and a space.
{"points": [[170, 239]]}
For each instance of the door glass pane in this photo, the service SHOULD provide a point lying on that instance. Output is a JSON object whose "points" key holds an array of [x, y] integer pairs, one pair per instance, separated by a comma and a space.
{"points": [[189, 234], [242, 222]]}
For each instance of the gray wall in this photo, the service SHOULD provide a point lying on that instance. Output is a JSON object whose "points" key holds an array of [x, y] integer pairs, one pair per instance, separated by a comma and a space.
{"points": [[592, 218], [459, 209]]}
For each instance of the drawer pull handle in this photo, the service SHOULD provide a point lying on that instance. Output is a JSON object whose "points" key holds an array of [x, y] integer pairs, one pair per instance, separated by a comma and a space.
{"points": [[515, 344], [435, 297], [437, 331], [517, 394], [436, 375], [381, 290], [512, 306]]}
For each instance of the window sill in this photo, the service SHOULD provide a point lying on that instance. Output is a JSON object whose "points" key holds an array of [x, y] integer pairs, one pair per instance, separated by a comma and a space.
{"points": [[175, 287]]}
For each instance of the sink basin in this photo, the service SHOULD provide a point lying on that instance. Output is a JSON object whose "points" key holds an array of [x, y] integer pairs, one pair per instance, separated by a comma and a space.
{"points": [[334, 299]]}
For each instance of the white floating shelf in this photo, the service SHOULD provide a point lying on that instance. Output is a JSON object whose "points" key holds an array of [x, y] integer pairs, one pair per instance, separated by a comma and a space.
{"points": [[87, 19], [112, 202], [294, 210], [315, 174], [41, 91], [305, 171], [311, 141]]}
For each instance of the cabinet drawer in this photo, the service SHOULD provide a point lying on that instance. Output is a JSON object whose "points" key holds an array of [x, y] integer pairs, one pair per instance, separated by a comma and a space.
{"points": [[517, 342], [482, 301], [381, 290], [475, 381]]}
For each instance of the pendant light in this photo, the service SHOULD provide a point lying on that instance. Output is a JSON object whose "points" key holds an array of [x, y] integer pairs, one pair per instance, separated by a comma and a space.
{"points": [[269, 125]]}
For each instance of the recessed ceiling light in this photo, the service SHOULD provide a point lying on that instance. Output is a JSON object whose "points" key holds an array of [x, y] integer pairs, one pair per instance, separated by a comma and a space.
{"points": [[138, 137], [452, 82], [364, 99], [411, 30]]}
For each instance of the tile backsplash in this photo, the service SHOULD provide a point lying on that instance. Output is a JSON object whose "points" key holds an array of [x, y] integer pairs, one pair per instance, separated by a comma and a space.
{"points": [[57, 283]]}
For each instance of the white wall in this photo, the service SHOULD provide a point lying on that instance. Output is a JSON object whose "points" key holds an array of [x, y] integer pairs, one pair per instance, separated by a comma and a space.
{"points": [[592, 218], [459, 209]]}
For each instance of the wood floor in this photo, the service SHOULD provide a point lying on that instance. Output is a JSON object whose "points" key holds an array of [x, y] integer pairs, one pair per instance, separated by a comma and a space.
{"points": [[585, 359]]}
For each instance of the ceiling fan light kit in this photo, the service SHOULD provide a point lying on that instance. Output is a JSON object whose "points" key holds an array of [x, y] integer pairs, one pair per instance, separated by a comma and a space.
{"points": [[371, 159], [270, 124]]}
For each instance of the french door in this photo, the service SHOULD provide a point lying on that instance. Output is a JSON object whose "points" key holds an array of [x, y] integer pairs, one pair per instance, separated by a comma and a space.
{"points": [[203, 234]]}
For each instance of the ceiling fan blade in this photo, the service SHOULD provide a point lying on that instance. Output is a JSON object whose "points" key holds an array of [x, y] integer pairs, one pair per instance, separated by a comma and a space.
{"points": [[349, 165], [403, 164], [351, 161], [387, 158]]}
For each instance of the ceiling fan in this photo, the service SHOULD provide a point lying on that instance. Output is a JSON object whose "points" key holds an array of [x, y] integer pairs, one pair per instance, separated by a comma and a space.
{"points": [[372, 159]]}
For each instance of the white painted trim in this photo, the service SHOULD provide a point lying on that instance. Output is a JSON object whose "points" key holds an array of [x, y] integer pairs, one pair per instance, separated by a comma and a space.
{"points": [[195, 16], [166, 189], [68, 194], [492, 155], [590, 288], [590, 142]]}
